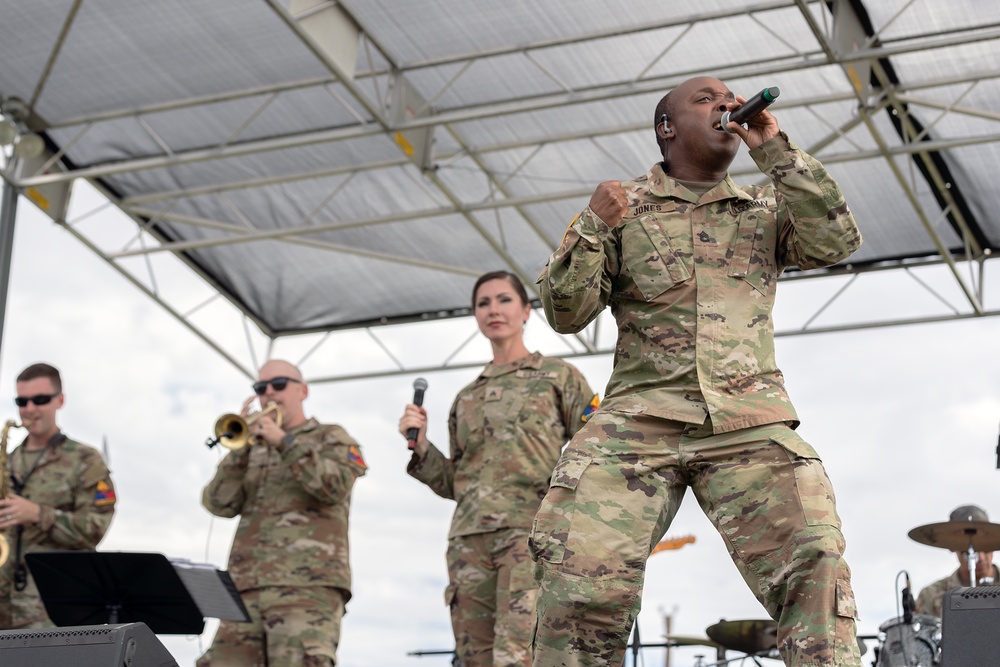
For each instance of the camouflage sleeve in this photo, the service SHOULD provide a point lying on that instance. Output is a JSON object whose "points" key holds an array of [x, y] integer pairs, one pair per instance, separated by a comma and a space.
{"points": [[818, 227], [224, 495], [575, 285], [578, 401], [93, 503], [326, 468], [435, 470], [925, 601]]}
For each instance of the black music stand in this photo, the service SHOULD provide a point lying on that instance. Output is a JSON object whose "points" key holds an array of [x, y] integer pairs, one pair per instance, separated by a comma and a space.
{"points": [[93, 588]]}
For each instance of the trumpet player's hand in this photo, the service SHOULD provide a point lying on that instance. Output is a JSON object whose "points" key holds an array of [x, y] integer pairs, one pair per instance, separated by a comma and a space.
{"points": [[415, 417], [15, 511], [245, 410], [267, 430]]}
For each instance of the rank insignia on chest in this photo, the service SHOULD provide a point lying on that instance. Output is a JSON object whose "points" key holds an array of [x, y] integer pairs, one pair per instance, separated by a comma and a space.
{"points": [[494, 393], [104, 495], [354, 456]]}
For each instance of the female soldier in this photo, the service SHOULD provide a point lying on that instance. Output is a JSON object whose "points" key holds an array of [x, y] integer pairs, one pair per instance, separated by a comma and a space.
{"points": [[506, 430]]}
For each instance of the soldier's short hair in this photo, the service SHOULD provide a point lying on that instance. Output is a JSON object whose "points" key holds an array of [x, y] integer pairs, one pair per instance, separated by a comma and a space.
{"points": [[42, 370], [514, 281]]}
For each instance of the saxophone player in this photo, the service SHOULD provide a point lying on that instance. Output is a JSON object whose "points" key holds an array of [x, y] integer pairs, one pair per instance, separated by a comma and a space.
{"points": [[62, 497]]}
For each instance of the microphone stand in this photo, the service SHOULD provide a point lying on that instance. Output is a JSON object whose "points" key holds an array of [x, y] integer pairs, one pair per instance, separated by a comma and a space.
{"points": [[636, 644]]}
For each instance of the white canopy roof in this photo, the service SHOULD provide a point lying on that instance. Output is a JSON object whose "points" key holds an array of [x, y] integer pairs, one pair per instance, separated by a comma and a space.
{"points": [[329, 165]]}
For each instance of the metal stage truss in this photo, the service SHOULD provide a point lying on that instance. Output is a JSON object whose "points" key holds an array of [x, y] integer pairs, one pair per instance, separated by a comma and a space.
{"points": [[377, 155]]}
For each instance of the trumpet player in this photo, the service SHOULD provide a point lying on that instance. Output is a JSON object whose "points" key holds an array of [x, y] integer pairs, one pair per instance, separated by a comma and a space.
{"points": [[62, 497], [291, 486]]}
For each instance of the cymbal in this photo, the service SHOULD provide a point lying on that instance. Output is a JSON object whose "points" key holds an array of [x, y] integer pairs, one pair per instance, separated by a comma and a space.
{"points": [[680, 640], [745, 636], [955, 535]]}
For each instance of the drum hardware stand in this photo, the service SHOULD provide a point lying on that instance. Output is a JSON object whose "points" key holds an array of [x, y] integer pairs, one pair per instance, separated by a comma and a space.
{"points": [[455, 660], [636, 643], [972, 557], [700, 659]]}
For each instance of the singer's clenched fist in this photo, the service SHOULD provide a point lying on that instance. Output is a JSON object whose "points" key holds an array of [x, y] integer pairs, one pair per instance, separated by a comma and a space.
{"points": [[609, 202]]}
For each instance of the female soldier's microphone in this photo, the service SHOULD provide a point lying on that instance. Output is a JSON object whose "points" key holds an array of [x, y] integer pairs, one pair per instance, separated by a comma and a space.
{"points": [[419, 387], [750, 108]]}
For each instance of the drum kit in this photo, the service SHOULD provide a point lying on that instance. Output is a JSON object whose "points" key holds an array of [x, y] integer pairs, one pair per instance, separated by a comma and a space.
{"points": [[753, 638], [915, 640], [749, 637], [912, 640]]}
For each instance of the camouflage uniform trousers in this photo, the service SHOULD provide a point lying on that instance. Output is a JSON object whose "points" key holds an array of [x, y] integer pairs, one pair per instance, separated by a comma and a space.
{"points": [[492, 595], [612, 497], [289, 627]]}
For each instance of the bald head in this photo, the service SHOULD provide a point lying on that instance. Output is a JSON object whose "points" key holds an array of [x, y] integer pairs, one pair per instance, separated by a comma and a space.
{"points": [[279, 368], [291, 394]]}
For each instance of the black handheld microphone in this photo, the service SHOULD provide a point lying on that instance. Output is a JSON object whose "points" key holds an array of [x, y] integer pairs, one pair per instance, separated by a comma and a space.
{"points": [[750, 108], [419, 387]]}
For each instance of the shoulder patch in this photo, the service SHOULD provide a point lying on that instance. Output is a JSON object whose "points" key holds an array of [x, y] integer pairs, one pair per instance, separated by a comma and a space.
{"points": [[595, 403], [104, 495], [569, 227], [354, 456]]}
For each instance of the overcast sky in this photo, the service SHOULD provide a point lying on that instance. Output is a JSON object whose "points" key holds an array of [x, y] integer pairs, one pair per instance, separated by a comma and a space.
{"points": [[905, 418]]}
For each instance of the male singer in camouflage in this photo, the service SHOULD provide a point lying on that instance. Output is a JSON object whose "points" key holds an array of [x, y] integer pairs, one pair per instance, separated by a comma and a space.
{"points": [[688, 262], [291, 488]]}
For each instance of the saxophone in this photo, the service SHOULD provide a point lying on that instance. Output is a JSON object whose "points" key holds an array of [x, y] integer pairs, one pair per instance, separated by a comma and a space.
{"points": [[5, 481]]}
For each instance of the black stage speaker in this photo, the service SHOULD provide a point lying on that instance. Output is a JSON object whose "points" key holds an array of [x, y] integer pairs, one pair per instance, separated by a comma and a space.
{"points": [[127, 645], [970, 628]]}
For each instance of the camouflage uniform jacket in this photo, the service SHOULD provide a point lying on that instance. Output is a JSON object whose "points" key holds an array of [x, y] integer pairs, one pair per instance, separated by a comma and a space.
{"points": [[506, 430], [73, 489], [293, 501], [931, 598], [691, 283]]}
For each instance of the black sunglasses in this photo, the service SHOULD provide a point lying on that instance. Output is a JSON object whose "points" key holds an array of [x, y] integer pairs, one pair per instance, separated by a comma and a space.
{"points": [[279, 384], [40, 399]]}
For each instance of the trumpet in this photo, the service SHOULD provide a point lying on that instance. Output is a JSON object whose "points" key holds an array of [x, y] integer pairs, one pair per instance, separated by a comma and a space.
{"points": [[5, 481], [232, 431]]}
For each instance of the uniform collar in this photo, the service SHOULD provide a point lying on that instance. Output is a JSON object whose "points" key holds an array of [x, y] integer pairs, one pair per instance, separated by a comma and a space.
{"points": [[661, 184], [310, 424], [53, 448], [533, 360]]}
